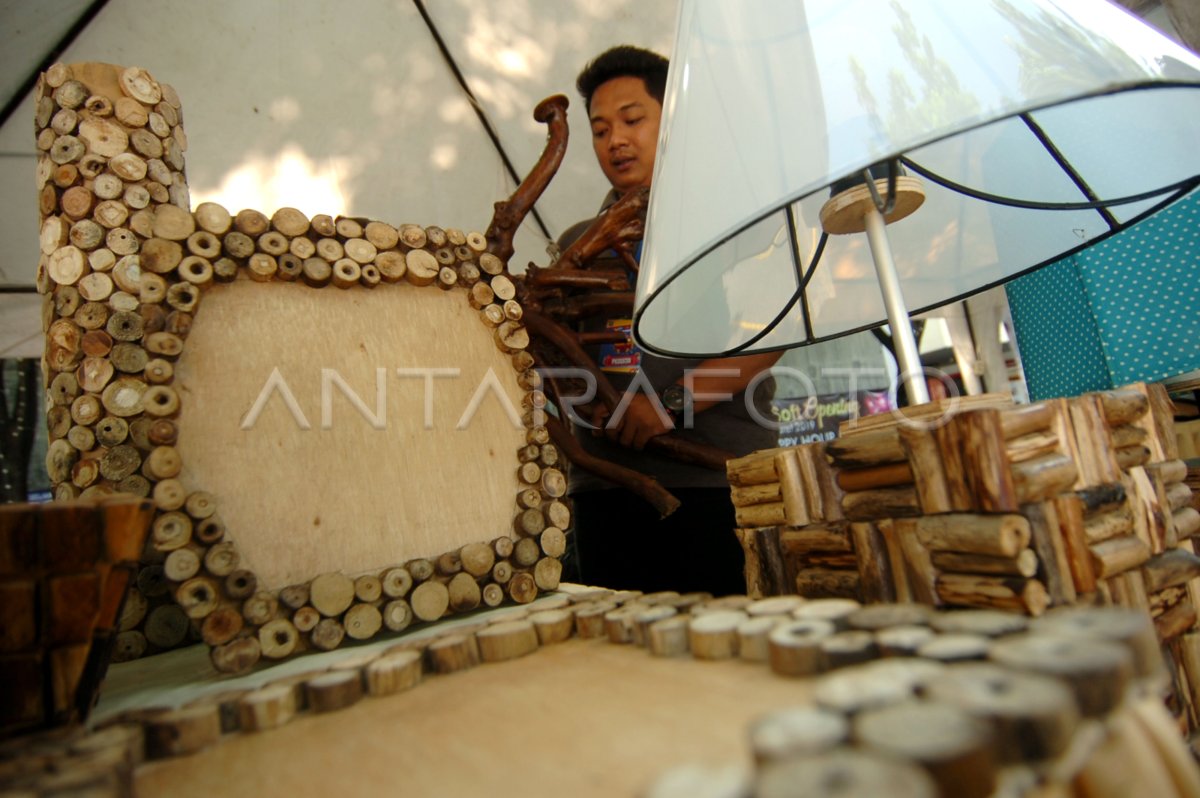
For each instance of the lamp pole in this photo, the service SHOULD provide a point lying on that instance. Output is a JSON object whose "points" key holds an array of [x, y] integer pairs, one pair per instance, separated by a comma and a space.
{"points": [[856, 206], [893, 300]]}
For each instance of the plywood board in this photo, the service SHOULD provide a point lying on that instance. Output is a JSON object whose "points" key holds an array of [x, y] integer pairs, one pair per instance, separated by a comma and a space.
{"points": [[583, 718], [406, 467]]}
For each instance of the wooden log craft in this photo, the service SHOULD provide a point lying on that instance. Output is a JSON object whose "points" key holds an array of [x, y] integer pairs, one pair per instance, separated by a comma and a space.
{"points": [[126, 264]]}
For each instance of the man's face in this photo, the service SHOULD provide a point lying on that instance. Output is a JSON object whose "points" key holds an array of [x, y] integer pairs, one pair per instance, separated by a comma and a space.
{"points": [[625, 122]]}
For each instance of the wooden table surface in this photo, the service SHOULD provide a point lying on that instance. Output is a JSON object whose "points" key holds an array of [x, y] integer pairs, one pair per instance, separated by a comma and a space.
{"points": [[581, 718]]}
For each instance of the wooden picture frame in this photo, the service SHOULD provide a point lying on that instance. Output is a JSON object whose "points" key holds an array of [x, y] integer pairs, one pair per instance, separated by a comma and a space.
{"points": [[200, 410]]}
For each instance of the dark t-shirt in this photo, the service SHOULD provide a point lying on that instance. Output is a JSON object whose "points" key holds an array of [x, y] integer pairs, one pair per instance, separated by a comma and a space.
{"points": [[728, 425]]}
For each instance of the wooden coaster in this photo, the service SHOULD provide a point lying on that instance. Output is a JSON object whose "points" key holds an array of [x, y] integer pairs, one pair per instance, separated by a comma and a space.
{"points": [[713, 635], [794, 647], [393, 672], [1034, 716], [955, 747], [798, 731], [505, 641], [845, 773], [267, 708]]}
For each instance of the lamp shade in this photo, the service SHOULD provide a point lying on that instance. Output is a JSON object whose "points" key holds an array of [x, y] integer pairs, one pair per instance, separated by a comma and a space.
{"points": [[1034, 128]]}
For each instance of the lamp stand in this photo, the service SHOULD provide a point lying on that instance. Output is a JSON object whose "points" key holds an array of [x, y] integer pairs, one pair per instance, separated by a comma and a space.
{"points": [[858, 210], [893, 300]]}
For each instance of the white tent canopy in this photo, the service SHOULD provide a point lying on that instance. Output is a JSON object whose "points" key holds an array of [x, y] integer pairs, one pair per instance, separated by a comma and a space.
{"points": [[338, 108]]}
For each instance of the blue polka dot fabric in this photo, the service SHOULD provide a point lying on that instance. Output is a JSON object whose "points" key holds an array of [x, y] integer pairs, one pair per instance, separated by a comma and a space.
{"points": [[1125, 310]]}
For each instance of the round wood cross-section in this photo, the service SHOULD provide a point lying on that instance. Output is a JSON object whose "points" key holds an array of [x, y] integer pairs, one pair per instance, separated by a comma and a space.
{"points": [[844, 212]]}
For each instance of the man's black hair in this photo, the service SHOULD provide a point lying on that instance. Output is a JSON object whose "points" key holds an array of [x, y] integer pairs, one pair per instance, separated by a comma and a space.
{"points": [[624, 61]]}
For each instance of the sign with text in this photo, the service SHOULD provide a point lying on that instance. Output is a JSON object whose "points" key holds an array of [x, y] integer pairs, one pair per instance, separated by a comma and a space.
{"points": [[809, 419]]}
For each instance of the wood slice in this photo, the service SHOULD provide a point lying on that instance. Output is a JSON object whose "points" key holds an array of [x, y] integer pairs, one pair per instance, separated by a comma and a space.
{"points": [[794, 647], [396, 582], [1096, 671], [1129, 627], [464, 592], [182, 731], [835, 610], [412, 235], [305, 619], [589, 620], [714, 635], [902, 641], [278, 638], [452, 653], [643, 619], [362, 622], [882, 616], [198, 597], [422, 267], [620, 622], [332, 593], [505, 641], [986, 623], [393, 673], [267, 708], [166, 626], [874, 685], [182, 564], [799, 731], [221, 626], [844, 772], [753, 637], [954, 747], [327, 634], [492, 594], [397, 615], [430, 600], [547, 573], [668, 637], [328, 692], [553, 626], [775, 605], [490, 264], [290, 222], [843, 649], [260, 608], [950, 648], [368, 588]]}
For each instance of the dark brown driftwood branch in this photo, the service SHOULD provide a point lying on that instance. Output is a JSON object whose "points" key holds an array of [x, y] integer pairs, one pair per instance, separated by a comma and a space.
{"points": [[618, 227], [540, 279], [587, 305], [599, 337], [671, 445], [635, 482], [509, 213]]}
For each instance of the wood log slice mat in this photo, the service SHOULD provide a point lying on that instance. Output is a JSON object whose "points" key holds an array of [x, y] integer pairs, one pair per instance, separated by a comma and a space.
{"points": [[668, 718]]}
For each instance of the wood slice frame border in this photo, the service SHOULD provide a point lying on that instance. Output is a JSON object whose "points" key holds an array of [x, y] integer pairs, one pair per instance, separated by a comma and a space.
{"points": [[123, 268]]}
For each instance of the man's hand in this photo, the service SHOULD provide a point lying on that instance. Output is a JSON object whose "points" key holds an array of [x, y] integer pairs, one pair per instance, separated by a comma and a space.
{"points": [[640, 422]]}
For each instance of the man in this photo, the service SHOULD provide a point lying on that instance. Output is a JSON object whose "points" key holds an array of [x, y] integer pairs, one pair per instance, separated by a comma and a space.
{"points": [[620, 540]]}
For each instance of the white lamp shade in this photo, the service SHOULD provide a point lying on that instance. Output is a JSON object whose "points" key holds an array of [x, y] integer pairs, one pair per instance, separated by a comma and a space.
{"points": [[769, 102]]}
